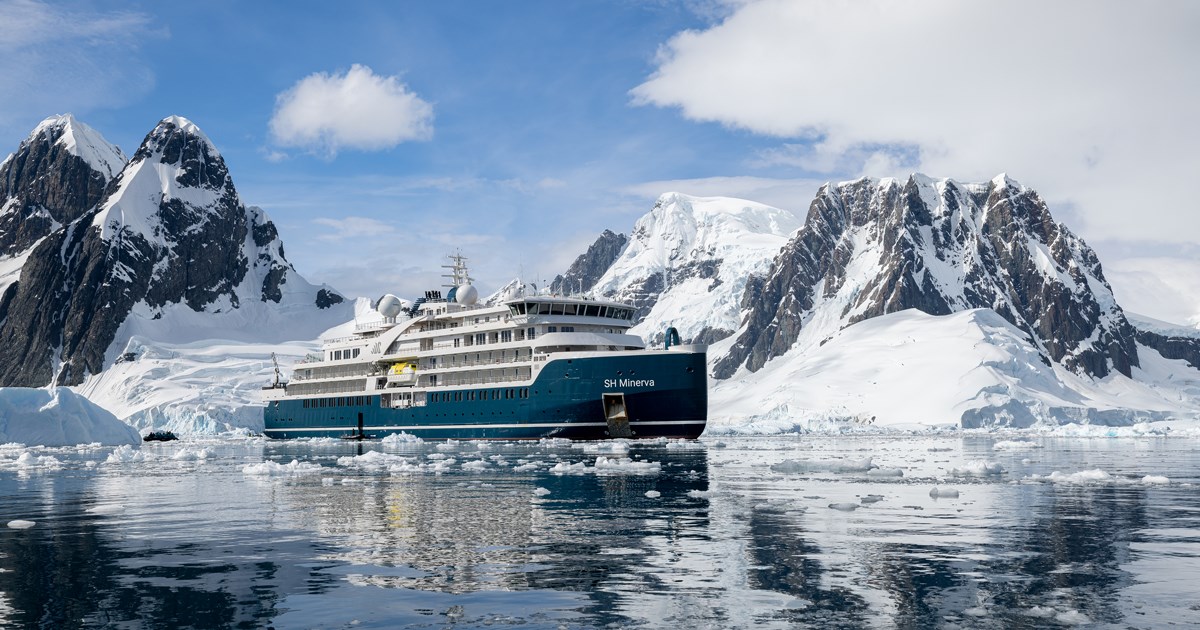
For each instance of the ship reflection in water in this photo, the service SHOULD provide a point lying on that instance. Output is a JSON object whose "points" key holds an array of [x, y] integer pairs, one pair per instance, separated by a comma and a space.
{"points": [[752, 533]]}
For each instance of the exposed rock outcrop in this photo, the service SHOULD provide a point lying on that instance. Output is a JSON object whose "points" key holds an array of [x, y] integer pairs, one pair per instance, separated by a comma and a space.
{"points": [[870, 247]]}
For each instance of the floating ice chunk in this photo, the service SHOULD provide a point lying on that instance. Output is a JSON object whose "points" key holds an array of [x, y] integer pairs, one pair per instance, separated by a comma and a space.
{"points": [[1072, 618], [699, 494], [1015, 445], [1084, 476], [626, 465], [274, 469], [871, 498], [1040, 612], [943, 493], [885, 472], [372, 460], [29, 460], [111, 508], [977, 468], [19, 524], [653, 494], [540, 492], [396, 439], [1155, 480], [125, 453], [975, 611], [844, 507], [528, 466], [618, 447], [684, 444], [477, 465], [200, 454], [565, 468], [833, 466]]}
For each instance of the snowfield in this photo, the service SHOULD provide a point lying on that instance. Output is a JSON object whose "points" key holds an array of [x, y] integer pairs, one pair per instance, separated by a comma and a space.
{"points": [[913, 371]]}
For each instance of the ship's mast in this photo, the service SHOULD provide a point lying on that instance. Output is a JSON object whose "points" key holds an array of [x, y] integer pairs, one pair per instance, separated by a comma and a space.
{"points": [[458, 271]]}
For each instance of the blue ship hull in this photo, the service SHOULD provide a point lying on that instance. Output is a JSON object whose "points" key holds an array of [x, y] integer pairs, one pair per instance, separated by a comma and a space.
{"points": [[663, 394]]}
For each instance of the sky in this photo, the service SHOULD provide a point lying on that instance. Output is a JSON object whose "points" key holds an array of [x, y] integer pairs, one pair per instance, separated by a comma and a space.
{"points": [[382, 136]]}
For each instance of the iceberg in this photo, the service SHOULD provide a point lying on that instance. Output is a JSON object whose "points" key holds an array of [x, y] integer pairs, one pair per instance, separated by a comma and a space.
{"points": [[59, 417]]}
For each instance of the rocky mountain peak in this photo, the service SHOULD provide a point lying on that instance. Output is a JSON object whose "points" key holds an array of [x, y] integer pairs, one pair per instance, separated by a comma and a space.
{"points": [[870, 247], [56, 174], [587, 269], [168, 236], [82, 141]]}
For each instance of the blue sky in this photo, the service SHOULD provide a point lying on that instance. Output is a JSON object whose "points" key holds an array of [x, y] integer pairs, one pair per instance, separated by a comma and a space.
{"points": [[532, 126]]}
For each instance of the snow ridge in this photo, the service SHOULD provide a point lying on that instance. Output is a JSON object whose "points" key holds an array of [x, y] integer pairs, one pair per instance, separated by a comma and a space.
{"points": [[83, 141], [687, 261]]}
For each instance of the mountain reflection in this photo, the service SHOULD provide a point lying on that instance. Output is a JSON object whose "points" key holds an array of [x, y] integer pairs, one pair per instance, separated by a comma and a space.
{"points": [[718, 543]]}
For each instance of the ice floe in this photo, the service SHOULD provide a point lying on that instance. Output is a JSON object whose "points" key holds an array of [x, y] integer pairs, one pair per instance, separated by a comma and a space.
{"points": [[977, 468], [275, 469]]}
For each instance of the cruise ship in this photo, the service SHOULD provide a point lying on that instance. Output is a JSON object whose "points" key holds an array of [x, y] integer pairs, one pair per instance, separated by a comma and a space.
{"points": [[528, 367]]}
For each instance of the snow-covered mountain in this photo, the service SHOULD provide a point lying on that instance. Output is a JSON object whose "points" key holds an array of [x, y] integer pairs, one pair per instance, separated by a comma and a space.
{"points": [[686, 263], [969, 369], [167, 253], [871, 247], [59, 172], [1007, 316]]}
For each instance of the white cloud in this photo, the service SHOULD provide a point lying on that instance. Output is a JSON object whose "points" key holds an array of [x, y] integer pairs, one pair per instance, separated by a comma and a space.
{"points": [[58, 60], [352, 227], [325, 113], [1091, 102]]}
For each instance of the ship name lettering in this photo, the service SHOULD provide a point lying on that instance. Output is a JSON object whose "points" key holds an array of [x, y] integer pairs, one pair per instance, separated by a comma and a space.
{"points": [[629, 382]]}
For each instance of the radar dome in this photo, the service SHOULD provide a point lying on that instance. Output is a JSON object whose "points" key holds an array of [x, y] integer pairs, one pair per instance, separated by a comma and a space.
{"points": [[466, 295], [389, 306]]}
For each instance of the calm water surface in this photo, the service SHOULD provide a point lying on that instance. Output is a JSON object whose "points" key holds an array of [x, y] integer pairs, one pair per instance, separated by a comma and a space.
{"points": [[736, 533]]}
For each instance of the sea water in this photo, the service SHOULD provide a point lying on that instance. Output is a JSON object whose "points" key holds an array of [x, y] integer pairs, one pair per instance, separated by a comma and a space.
{"points": [[783, 531]]}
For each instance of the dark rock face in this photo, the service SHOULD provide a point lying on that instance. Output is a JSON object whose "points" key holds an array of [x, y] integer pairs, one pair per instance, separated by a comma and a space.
{"points": [[589, 267], [193, 244], [939, 248], [327, 298], [44, 185], [1172, 346]]}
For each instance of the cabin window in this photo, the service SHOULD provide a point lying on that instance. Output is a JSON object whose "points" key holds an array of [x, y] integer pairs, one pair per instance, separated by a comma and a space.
{"points": [[480, 339], [457, 342], [531, 333], [568, 329], [505, 336], [551, 329], [568, 309]]}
